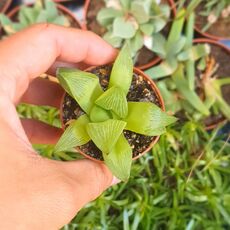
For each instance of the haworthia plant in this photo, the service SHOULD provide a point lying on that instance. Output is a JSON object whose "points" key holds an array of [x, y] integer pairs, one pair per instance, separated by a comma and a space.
{"points": [[134, 22], [41, 11], [108, 114], [181, 61]]}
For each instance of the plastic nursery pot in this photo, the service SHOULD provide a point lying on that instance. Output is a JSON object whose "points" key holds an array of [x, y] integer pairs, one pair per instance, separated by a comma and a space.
{"points": [[72, 19], [98, 6], [140, 81], [214, 32], [4, 5], [222, 54]]}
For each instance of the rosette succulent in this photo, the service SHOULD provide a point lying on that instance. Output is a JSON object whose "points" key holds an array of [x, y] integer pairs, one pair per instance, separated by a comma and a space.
{"points": [[133, 21], [41, 11], [108, 113]]}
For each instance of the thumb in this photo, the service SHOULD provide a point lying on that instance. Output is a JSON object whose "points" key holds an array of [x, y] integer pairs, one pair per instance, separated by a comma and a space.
{"points": [[89, 180]]}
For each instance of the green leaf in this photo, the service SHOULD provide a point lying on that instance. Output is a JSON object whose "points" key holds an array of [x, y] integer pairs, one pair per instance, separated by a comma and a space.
{"points": [[75, 135], [114, 99], [7, 24], [84, 87], [158, 45], [190, 73], [176, 29], [136, 43], [177, 47], [111, 39], [105, 134], [122, 71], [158, 24], [125, 3], [119, 160], [98, 114], [164, 69], [106, 16], [140, 10], [61, 20], [123, 28], [42, 17], [147, 28], [194, 53], [189, 30], [187, 93], [146, 118], [51, 9]]}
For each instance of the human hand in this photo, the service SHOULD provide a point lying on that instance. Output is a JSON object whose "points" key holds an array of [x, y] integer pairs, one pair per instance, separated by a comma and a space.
{"points": [[38, 193]]}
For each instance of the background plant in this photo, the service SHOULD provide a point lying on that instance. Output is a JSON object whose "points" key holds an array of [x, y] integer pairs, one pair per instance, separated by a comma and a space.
{"points": [[214, 10], [181, 60], [108, 113], [40, 11], [134, 22]]}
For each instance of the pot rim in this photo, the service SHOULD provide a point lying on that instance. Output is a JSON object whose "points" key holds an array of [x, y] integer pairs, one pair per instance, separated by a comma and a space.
{"points": [[162, 106], [215, 43], [151, 62], [60, 7]]}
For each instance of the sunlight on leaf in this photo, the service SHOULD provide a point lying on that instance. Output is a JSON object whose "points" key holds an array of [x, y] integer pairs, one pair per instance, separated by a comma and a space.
{"points": [[75, 135], [146, 118], [122, 71], [114, 99], [119, 160], [84, 87]]}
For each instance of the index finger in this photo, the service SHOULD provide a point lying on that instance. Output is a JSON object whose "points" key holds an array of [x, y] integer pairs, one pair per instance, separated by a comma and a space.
{"points": [[32, 51]]}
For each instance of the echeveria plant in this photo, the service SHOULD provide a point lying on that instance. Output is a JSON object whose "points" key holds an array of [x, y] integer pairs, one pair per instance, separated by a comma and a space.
{"points": [[133, 21], [41, 11], [108, 113]]}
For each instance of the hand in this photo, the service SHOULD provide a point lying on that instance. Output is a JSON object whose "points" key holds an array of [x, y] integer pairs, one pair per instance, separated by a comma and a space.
{"points": [[38, 193]]}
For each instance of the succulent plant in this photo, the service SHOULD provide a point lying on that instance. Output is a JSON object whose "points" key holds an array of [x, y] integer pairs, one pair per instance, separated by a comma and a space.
{"points": [[108, 113], [179, 56], [134, 22], [41, 11], [180, 60]]}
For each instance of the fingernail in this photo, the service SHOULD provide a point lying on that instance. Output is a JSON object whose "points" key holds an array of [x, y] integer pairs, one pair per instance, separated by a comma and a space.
{"points": [[115, 181]]}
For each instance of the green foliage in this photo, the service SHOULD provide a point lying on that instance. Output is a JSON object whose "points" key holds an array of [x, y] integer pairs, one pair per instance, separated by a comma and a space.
{"points": [[178, 69], [108, 114], [183, 183], [214, 10], [133, 21], [41, 11]]}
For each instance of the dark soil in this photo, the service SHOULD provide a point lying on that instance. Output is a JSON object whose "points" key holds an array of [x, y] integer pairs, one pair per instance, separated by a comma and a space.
{"points": [[145, 55], [221, 28], [222, 57], [140, 90]]}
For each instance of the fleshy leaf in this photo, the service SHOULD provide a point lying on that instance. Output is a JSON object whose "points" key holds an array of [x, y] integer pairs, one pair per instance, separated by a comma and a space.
{"points": [[194, 53], [146, 118], [158, 24], [119, 160], [164, 69], [158, 45], [123, 28], [147, 28], [107, 15], [136, 43], [105, 134], [114, 99], [82, 86], [140, 10], [187, 93], [98, 114], [177, 47], [125, 3], [111, 39], [122, 71], [74, 135]]}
